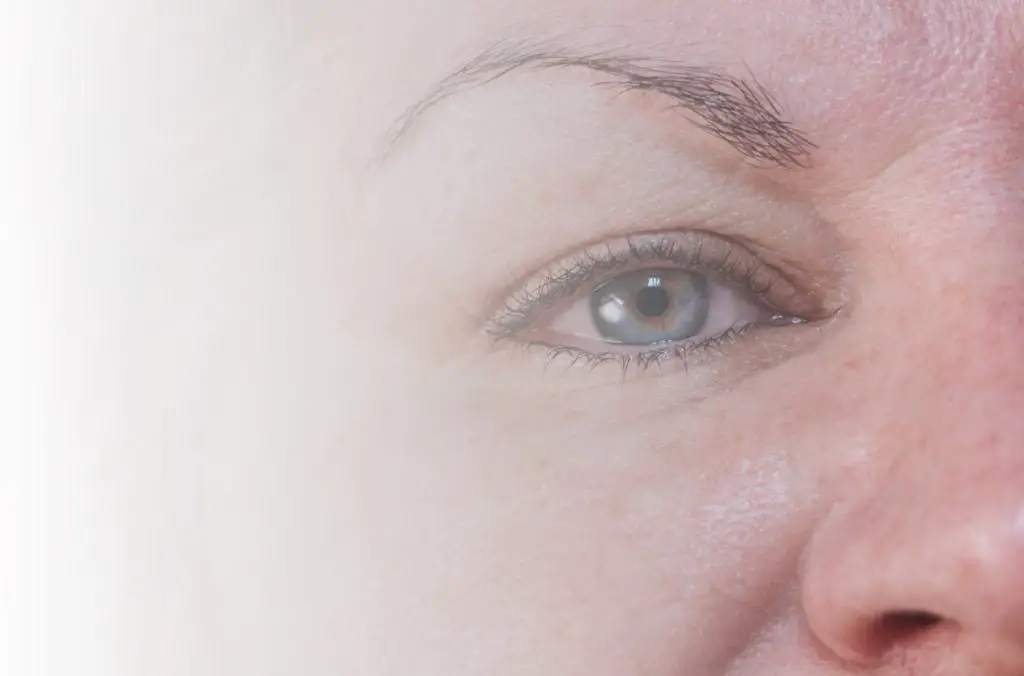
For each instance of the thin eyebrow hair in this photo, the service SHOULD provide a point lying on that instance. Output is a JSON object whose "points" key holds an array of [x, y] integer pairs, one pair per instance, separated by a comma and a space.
{"points": [[739, 111]]}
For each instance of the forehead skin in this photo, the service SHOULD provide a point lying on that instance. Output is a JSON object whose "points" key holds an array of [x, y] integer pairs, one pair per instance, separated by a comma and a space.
{"points": [[837, 66], [379, 494], [870, 83]]}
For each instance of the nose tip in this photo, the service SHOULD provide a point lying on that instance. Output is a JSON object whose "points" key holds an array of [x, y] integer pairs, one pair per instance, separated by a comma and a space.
{"points": [[877, 584]]}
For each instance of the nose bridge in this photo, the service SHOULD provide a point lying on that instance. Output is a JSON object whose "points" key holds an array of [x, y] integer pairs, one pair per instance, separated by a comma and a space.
{"points": [[951, 412], [966, 372], [953, 300], [934, 524], [950, 443]]}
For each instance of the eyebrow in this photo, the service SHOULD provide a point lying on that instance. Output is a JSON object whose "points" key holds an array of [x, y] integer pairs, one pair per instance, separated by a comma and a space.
{"points": [[737, 110]]}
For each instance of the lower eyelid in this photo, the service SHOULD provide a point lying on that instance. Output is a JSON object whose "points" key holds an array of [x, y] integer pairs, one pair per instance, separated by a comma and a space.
{"points": [[736, 355]]}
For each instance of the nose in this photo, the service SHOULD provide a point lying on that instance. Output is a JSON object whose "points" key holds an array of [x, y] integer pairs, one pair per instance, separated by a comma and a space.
{"points": [[923, 554], [919, 566]]}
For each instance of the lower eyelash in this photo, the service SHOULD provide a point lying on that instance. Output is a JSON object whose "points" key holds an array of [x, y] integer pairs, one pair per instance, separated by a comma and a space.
{"points": [[640, 362]]}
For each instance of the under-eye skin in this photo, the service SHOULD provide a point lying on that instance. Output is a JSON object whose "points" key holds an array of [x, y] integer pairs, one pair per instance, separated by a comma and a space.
{"points": [[653, 299]]}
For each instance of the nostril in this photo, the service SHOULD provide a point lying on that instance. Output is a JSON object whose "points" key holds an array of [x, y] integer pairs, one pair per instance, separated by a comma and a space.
{"points": [[902, 626], [908, 621]]}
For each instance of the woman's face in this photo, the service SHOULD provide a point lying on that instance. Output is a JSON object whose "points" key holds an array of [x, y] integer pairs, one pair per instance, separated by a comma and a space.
{"points": [[608, 338]]}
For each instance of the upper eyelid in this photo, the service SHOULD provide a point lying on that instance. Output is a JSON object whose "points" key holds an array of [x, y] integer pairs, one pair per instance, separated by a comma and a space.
{"points": [[521, 308]]}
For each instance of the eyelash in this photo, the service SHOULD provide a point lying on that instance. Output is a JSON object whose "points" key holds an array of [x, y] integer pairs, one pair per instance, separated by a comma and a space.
{"points": [[727, 260]]}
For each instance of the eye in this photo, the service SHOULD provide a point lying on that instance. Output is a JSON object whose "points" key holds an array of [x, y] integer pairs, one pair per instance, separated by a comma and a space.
{"points": [[653, 306], [650, 298]]}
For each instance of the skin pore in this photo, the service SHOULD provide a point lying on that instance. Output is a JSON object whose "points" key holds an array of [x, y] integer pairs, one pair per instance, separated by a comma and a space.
{"points": [[380, 434]]}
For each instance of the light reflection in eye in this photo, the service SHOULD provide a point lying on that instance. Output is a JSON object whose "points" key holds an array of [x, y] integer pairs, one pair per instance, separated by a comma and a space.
{"points": [[612, 310]]}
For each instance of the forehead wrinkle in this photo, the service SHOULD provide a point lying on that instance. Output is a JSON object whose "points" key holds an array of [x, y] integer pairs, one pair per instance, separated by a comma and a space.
{"points": [[898, 73]]}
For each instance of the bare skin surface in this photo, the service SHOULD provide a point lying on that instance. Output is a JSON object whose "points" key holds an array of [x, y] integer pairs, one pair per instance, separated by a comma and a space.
{"points": [[327, 463]]}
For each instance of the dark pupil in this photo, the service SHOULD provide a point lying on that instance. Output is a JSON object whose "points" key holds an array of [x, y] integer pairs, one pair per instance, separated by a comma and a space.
{"points": [[652, 301]]}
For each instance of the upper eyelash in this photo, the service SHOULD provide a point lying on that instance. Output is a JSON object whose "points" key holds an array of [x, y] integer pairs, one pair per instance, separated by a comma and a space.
{"points": [[522, 308]]}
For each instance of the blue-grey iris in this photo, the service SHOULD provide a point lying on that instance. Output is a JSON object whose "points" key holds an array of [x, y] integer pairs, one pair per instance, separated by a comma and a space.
{"points": [[651, 306]]}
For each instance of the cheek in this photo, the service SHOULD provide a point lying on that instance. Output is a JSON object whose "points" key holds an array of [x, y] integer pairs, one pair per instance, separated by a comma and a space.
{"points": [[547, 532]]}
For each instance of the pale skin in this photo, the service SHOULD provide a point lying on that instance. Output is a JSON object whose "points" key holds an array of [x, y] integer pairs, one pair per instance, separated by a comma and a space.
{"points": [[328, 464]]}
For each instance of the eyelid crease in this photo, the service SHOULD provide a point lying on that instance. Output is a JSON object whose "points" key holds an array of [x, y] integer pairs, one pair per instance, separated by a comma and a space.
{"points": [[706, 252]]}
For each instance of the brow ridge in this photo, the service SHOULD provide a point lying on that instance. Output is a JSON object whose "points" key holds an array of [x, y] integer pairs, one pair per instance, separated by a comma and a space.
{"points": [[738, 110]]}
